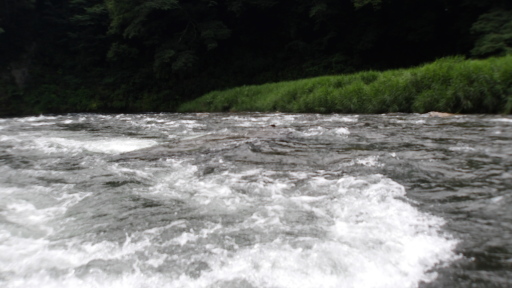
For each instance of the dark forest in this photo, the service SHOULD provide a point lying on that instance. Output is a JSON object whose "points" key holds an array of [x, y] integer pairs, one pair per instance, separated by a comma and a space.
{"points": [[61, 56]]}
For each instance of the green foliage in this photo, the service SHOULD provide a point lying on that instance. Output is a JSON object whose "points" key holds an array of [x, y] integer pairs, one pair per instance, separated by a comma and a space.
{"points": [[494, 30], [10, 97], [150, 55], [162, 60], [450, 85], [361, 3], [212, 31], [85, 36], [88, 15], [184, 60], [130, 18], [176, 32], [120, 52]]}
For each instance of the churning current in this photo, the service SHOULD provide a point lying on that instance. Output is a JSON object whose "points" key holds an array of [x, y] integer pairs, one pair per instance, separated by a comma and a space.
{"points": [[256, 200]]}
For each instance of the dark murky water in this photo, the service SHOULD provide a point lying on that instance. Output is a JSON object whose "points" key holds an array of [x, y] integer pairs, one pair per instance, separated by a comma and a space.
{"points": [[256, 200]]}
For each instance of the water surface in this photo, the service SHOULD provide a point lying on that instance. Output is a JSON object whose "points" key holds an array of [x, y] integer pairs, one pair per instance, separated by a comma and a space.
{"points": [[255, 200]]}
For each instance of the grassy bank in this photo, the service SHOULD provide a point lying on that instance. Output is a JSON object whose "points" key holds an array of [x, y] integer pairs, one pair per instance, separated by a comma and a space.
{"points": [[451, 85]]}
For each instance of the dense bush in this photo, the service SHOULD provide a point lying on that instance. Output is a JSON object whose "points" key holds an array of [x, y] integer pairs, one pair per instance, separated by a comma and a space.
{"points": [[450, 84]]}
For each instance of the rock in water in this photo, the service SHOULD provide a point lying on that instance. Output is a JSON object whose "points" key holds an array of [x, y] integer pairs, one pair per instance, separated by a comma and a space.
{"points": [[439, 114]]}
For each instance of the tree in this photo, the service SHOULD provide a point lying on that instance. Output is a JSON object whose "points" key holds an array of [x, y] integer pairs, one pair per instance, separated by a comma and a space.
{"points": [[494, 32], [88, 23], [17, 18], [362, 3], [172, 33]]}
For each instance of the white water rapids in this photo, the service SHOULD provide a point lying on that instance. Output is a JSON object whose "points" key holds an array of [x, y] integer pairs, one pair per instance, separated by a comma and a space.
{"points": [[210, 200]]}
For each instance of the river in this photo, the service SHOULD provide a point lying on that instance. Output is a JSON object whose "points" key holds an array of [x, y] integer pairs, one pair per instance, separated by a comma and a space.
{"points": [[250, 200]]}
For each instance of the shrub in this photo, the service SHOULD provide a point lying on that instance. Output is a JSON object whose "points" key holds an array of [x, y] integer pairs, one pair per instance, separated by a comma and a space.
{"points": [[450, 84]]}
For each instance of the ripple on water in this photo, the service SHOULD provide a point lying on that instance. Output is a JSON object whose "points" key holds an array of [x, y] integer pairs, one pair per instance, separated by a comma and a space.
{"points": [[254, 200]]}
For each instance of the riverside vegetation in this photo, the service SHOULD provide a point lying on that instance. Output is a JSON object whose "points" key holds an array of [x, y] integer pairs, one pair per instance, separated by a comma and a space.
{"points": [[450, 84], [123, 56]]}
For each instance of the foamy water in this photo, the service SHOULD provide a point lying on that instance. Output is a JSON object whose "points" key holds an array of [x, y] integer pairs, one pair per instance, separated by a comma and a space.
{"points": [[243, 200]]}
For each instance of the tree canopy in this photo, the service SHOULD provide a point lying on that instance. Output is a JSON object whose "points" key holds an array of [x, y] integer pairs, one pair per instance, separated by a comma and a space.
{"points": [[134, 55]]}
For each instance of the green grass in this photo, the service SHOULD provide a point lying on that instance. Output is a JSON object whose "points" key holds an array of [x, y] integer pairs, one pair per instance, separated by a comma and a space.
{"points": [[452, 85]]}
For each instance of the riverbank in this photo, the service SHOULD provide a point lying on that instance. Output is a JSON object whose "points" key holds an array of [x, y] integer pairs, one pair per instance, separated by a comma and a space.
{"points": [[453, 85]]}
